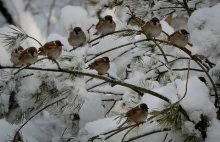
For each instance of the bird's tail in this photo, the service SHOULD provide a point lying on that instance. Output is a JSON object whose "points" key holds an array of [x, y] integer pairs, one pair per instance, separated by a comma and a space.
{"points": [[96, 33]]}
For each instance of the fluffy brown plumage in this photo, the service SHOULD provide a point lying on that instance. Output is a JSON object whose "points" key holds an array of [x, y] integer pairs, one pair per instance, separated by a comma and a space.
{"points": [[77, 37], [101, 65], [105, 26], [28, 56], [15, 55], [179, 38], [51, 49], [136, 115], [135, 21], [152, 28]]}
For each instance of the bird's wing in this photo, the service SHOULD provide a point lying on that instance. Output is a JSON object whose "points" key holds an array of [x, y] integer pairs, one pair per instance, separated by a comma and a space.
{"points": [[97, 62], [134, 111], [23, 54], [100, 24], [174, 35]]}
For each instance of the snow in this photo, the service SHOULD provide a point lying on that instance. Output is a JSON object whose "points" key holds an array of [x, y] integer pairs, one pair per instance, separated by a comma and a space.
{"points": [[205, 24], [95, 102]]}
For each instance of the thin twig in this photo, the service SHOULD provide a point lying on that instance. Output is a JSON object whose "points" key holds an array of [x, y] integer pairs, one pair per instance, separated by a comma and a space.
{"points": [[198, 62], [146, 134], [187, 7], [35, 40], [165, 137], [17, 131], [120, 31], [126, 134], [99, 54], [111, 107]]}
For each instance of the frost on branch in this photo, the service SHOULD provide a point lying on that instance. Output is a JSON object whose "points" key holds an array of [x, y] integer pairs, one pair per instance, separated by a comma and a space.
{"points": [[150, 71]]}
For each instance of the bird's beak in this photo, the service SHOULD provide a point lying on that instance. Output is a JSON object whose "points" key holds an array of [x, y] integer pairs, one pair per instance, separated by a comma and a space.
{"points": [[61, 44]]}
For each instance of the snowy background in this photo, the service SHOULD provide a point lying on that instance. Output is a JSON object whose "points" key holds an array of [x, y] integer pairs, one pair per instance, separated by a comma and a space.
{"points": [[91, 99]]}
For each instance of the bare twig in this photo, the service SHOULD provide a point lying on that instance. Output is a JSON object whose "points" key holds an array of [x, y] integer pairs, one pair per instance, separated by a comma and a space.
{"points": [[18, 130], [146, 134], [198, 62], [111, 107], [126, 30], [187, 7], [165, 137], [127, 133]]}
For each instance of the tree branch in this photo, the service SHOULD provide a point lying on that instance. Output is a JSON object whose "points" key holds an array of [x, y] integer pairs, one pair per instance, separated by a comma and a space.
{"points": [[76, 72], [146, 134]]}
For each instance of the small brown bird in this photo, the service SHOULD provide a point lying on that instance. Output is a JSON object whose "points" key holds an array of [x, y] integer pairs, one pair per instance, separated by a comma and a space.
{"points": [[105, 26], [152, 28], [101, 65], [77, 37], [15, 56], [28, 56], [135, 21], [51, 49], [179, 38], [137, 114]]}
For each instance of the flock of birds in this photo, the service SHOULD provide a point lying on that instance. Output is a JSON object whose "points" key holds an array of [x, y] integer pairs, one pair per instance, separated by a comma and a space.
{"points": [[77, 37]]}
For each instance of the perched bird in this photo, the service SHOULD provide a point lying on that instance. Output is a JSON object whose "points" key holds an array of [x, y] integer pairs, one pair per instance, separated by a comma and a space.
{"points": [[152, 28], [179, 38], [77, 37], [105, 26], [28, 56], [135, 21], [101, 65], [15, 55], [137, 114], [51, 49]]}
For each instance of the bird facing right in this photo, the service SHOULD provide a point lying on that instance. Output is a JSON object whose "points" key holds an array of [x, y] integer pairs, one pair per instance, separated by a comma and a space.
{"points": [[137, 114], [105, 26], [179, 38], [51, 49], [77, 37], [101, 65], [152, 28]]}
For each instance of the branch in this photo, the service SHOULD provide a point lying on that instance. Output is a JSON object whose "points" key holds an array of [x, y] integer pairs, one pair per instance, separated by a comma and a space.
{"points": [[17, 131], [187, 7], [198, 61], [99, 54], [111, 107], [58, 66], [76, 72], [182, 69], [146, 134], [120, 31]]}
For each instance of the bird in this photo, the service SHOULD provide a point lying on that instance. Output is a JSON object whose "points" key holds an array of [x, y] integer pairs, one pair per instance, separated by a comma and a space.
{"points": [[52, 49], [152, 28], [137, 114], [77, 37], [135, 21], [101, 65], [15, 55], [105, 26], [28, 56], [179, 38]]}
